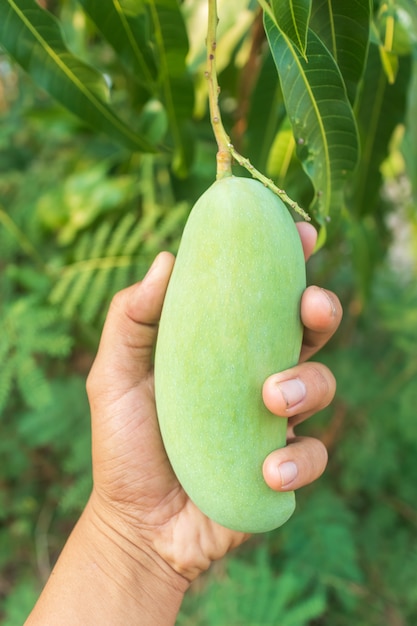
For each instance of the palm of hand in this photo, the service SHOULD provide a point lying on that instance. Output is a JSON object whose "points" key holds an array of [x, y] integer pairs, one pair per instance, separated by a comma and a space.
{"points": [[137, 486]]}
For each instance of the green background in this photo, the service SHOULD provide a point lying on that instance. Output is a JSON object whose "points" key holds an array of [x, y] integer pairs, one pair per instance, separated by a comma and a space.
{"points": [[94, 184]]}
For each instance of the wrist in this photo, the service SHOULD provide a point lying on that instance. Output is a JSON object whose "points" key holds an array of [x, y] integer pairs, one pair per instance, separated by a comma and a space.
{"points": [[175, 549], [130, 564], [101, 577]]}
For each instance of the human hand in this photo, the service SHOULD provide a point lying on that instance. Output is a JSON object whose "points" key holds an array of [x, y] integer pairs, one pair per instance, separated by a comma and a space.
{"points": [[136, 493]]}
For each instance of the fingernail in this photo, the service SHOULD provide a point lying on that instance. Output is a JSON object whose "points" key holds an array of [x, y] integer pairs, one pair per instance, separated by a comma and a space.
{"points": [[152, 268], [288, 472], [293, 391]]}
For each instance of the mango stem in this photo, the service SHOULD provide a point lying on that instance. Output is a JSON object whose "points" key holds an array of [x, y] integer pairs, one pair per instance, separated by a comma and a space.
{"points": [[224, 157], [226, 151]]}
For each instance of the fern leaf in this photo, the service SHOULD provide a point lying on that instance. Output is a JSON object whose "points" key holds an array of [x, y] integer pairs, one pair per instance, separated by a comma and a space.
{"points": [[101, 283], [328, 553], [120, 235], [31, 333], [96, 247], [252, 593], [80, 286], [113, 254]]}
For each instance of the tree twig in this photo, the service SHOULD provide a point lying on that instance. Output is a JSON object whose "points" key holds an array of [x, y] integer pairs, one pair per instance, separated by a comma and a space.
{"points": [[226, 151]]}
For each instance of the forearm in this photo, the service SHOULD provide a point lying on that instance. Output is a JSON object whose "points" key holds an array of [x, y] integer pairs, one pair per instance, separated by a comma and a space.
{"points": [[99, 579]]}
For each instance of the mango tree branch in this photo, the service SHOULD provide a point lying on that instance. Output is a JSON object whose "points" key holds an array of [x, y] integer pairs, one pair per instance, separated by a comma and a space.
{"points": [[268, 183], [226, 150]]}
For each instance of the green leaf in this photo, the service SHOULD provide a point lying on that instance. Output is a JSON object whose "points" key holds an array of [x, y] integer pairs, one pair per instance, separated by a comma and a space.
{"points": [[177, 92], [380, 108], [321, 117], [328, 553], [33, 37], [396, 24], [127, 33], [31, 331], [251, 593], [281, 153], [364, 239], [344, 29], [293, 16]]}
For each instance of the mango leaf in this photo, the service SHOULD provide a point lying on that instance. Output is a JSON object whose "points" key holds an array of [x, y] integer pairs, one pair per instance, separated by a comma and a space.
{"points": [[293, 16], [177, 92], [281, 153], [365, 239], [128, 33], [396, 24], [33, 37], [321, 117], [344, 29], [380, 108], [390, 64]]}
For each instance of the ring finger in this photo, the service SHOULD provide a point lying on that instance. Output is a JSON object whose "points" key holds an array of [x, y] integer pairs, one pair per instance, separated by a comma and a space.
{"points": [[299, 392]]}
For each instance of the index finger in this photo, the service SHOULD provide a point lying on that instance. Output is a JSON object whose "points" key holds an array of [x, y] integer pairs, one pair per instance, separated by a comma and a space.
{"points": [[321, 314]]}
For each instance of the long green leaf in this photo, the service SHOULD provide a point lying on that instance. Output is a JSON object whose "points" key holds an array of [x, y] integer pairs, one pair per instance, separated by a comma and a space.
{"points": [[321, 117], [293, 18], [33, 37], [396, 25], [128, 34], [344, 28], [380, 108], [281, 153], [177, 92]]}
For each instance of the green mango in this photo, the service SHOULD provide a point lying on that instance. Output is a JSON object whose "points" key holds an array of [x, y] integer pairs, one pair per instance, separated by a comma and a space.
{"points": [[231, 317]]}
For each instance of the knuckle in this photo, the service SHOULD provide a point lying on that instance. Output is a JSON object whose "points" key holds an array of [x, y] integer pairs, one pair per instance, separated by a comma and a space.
{"points": [[324, 383], [314, 457]]}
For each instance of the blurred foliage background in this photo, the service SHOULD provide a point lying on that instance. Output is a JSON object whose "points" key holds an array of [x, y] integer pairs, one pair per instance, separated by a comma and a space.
{"points": [[89, 193]]}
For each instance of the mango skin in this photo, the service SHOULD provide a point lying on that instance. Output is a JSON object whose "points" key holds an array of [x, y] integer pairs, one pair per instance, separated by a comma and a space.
{"points": [[231, 317]]}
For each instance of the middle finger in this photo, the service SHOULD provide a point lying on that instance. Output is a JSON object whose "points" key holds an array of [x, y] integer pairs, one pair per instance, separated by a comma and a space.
{"points": [[300, 391]]}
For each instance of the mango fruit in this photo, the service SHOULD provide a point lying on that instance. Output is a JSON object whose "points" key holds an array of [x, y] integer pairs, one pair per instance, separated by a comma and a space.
{"points": [[230, 319]]}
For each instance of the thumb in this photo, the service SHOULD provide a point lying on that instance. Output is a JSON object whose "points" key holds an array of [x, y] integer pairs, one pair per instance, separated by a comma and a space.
{"points": [[124, 356]]}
